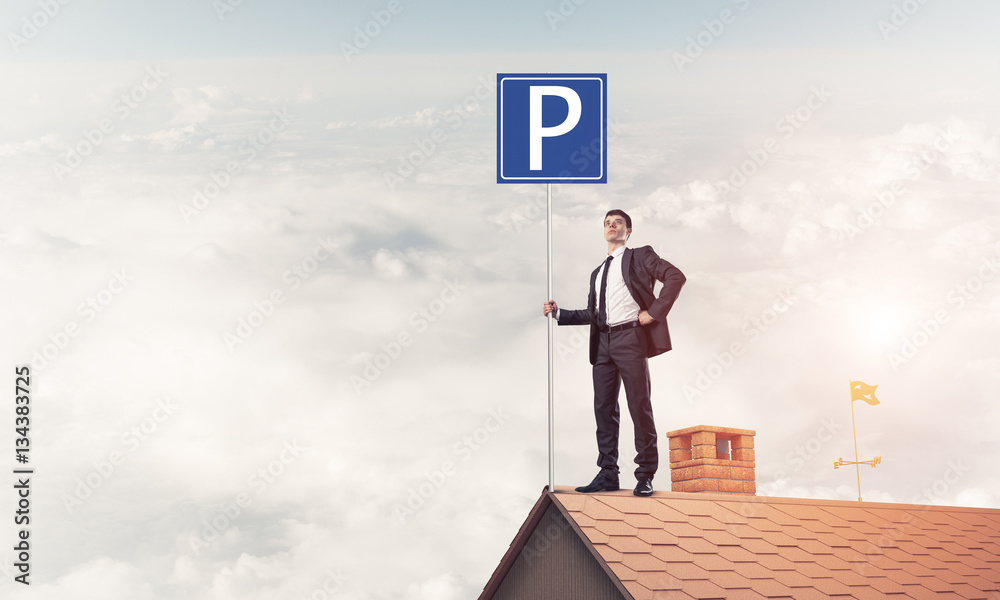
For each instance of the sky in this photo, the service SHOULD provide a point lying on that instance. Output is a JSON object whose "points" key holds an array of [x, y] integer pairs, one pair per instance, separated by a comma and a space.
{"points": [[284, 328]]}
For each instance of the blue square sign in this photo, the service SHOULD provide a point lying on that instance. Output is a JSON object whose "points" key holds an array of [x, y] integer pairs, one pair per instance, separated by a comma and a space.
{"points": [[552, 128]]}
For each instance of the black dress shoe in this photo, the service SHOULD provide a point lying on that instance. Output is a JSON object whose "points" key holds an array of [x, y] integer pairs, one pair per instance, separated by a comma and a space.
{"points": [[601, 483], [644, 487]]}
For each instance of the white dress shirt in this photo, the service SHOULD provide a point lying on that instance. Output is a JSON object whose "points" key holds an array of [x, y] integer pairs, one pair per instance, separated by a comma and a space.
{"points": [[622, 307]]}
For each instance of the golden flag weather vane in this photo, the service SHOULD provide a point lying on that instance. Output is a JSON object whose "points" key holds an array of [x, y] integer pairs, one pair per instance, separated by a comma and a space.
{"points": [[860, 391]]}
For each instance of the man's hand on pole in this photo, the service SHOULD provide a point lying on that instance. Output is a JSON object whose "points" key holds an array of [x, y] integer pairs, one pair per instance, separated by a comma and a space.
{"points": [[549, 307]]}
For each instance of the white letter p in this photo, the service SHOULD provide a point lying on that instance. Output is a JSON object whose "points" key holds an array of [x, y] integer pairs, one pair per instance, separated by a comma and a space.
{"points": [[535, 130]]}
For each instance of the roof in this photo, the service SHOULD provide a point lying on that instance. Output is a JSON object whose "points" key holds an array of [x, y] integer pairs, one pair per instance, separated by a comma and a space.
{"points": [[681, 546]]}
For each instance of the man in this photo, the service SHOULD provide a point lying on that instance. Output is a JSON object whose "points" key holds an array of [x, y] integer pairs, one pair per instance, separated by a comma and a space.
{"points": [[628, 324]]}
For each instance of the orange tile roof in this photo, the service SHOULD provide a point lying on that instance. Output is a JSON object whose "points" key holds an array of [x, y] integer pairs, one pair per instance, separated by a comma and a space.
{"points": [[703, 546]]}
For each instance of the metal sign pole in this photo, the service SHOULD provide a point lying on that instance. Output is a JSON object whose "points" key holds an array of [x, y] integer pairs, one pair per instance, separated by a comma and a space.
{"points": [[521, 154], [552, 322]]}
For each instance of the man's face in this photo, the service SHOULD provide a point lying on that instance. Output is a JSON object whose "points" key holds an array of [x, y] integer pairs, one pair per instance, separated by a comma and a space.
{"points": [[614, 229]]}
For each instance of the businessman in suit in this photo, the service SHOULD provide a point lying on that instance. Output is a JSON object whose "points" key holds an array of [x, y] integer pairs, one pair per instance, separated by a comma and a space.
{"points": [[628, 325]]}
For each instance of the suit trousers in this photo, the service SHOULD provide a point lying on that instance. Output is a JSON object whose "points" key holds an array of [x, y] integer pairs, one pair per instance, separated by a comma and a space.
{"points": [[621, 358]]}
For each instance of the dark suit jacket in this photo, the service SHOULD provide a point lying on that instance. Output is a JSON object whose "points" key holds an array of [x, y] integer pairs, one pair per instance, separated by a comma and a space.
{"points": [[641, 269]]}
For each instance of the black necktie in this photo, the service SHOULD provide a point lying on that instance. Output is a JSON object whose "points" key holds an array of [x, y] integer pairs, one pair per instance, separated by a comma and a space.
{"points": [[602, 303]]}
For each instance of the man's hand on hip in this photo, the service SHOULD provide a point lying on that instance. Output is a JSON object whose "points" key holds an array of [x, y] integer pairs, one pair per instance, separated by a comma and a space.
{"points": [[645, 318]]}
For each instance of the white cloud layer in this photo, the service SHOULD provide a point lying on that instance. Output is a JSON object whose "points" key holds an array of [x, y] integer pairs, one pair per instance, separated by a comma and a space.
{"points": [[265, 368]]}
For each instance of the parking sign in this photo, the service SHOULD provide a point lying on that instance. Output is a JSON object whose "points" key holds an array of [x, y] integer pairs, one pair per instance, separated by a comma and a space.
{"points": [[551, 128]]}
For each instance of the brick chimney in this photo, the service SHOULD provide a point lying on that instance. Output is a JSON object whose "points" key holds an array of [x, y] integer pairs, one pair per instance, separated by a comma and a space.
{"points": [[704, 458]]}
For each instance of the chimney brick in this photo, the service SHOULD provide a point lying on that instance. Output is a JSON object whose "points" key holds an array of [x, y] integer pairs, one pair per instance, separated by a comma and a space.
{"points": [[697, 464]]}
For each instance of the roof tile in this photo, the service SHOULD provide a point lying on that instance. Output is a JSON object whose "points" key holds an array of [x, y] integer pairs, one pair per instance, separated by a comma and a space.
{"points": [[697, 545], [744, 594], [693, 508], [852, 578], [643, 521], [663, 512], [760, 546], [595, 509], [796, 555], [902, 577], [744, 531], [622, 571], [737, 554], [753, 571], [815, 547], [831, 587], [809, 593], [703, 546], [609, 554], [595, 536], [731, 580], [813, 570], [657, 536], [645, 562], [982, 584], [885, 585], [671, 595], [772, 589], [672, 553], [661, 580], [628, 544], [967, 591], [714, 562], [687, 571], [704, 590], [616, 528], [722, 538], [707, 523], [793, 579], [933, 583]]}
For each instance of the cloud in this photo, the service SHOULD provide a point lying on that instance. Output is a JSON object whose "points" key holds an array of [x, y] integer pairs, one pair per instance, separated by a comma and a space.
{"points": [[201, 104], [46, 145], [100, 578], [477, 346]]}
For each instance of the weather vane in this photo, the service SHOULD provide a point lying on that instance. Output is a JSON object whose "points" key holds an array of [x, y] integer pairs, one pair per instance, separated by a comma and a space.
{"points": [[859, 391]]}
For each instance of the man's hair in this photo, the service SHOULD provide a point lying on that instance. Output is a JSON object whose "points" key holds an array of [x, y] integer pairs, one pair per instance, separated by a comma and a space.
{"points": [[620, 213]]}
